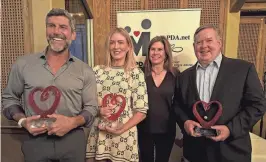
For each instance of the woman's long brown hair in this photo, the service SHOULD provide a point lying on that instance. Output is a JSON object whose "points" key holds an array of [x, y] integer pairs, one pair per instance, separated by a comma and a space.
{"points": [[168, 62]]}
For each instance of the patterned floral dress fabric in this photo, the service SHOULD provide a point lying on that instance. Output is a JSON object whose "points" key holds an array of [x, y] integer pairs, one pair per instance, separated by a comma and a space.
{"points": [[124, 147]]}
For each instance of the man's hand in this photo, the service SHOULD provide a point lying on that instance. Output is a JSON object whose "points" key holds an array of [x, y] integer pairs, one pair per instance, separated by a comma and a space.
{"points": [[34, 131], [62, 125], [189, 126], [223, 133]]}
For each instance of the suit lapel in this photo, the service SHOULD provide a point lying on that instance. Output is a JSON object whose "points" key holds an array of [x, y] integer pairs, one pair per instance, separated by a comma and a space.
{"points": [[193, 83], [220, 80]]}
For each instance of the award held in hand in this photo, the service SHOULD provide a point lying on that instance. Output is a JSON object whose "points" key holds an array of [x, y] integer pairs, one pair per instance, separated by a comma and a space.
{"points": [[207, 115], [118, 104], [39, 98]]}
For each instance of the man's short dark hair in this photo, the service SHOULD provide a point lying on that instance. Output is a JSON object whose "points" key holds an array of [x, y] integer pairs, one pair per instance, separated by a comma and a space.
{"points": [[62, 12]]}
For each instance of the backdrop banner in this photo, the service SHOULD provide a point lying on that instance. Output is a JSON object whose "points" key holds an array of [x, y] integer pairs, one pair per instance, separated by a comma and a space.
{"points": [[178, 25]]}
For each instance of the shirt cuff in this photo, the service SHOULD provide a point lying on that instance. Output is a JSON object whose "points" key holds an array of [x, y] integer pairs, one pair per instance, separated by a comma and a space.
{"points": [[10, 111], [89, 118]]}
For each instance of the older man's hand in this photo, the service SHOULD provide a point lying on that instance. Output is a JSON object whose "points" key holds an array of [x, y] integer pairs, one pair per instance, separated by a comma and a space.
{"points": [[223, 133], [189, 126]]}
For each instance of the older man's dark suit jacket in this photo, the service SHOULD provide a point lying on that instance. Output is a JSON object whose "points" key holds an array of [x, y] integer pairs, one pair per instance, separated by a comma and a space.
{"points": [[238, 89]]}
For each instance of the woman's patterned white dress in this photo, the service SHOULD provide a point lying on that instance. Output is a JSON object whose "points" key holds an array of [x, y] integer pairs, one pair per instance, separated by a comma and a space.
{"points": [[124, 147]]}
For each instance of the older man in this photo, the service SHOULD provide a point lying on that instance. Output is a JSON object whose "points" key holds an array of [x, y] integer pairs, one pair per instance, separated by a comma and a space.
{"points": [[64, 140], [232, 82]]}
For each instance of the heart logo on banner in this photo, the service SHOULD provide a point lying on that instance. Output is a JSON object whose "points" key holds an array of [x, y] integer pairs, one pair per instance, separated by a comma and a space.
{"points": [[117, 100], [44, 97], [136, 33], [206, 107]]}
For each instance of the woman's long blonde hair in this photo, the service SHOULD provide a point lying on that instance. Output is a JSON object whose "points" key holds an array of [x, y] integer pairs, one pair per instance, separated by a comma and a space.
{"points": [[130, 62]]}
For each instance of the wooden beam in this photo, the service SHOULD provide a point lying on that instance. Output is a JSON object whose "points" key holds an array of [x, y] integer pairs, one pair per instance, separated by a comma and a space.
{"points": [[28, 27], [87, 8], [254, 6], [58, 3], [255, 1], [101, 28], [236, 5], [144, 4], [231, 32]]}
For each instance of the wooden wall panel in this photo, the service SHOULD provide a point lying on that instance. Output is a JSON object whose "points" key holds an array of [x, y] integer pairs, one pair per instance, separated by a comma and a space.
{"points": [[264, 68], [264, 79], [264, 54], [163, 4], [73, 6], [1, 50], [12, 35], [210, 10], [248, 39], [76, 9], [251, 47], [122, 5], [251, 41], [213, 12]]}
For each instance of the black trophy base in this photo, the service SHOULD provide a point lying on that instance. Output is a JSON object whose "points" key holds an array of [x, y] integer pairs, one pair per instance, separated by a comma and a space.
{"points": [[206, 131]]}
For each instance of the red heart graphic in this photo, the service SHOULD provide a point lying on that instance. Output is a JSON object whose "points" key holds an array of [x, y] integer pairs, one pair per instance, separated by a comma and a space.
{"points": [[44, 96], [206, 107], [114, 99], [136, 33]]}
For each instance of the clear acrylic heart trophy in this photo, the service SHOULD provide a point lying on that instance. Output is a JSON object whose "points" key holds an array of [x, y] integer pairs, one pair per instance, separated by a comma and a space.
{"points": [[205, 119], [44, 101], [118, 104]]}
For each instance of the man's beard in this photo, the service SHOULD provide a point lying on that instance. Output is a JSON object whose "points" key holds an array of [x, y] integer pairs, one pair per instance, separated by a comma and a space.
{"points": [[58, 48]]}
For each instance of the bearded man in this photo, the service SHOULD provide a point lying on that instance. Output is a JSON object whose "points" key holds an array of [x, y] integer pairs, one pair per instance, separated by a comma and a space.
{"points": [[63, 139]]}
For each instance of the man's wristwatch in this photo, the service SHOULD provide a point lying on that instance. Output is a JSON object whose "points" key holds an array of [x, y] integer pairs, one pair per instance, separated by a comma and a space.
{"points": [[20, 122]]}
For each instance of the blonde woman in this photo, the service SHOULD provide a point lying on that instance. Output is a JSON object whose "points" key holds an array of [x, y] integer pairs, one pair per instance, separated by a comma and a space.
{"points": [[111, 140]]}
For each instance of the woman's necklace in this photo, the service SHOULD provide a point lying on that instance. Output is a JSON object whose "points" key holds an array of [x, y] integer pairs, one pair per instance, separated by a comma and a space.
{"points": [[157, 73]]}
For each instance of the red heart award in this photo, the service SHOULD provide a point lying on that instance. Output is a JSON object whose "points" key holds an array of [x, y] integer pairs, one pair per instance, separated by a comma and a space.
{"points": [[207, 115], [118, 104], [41, 97]]}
